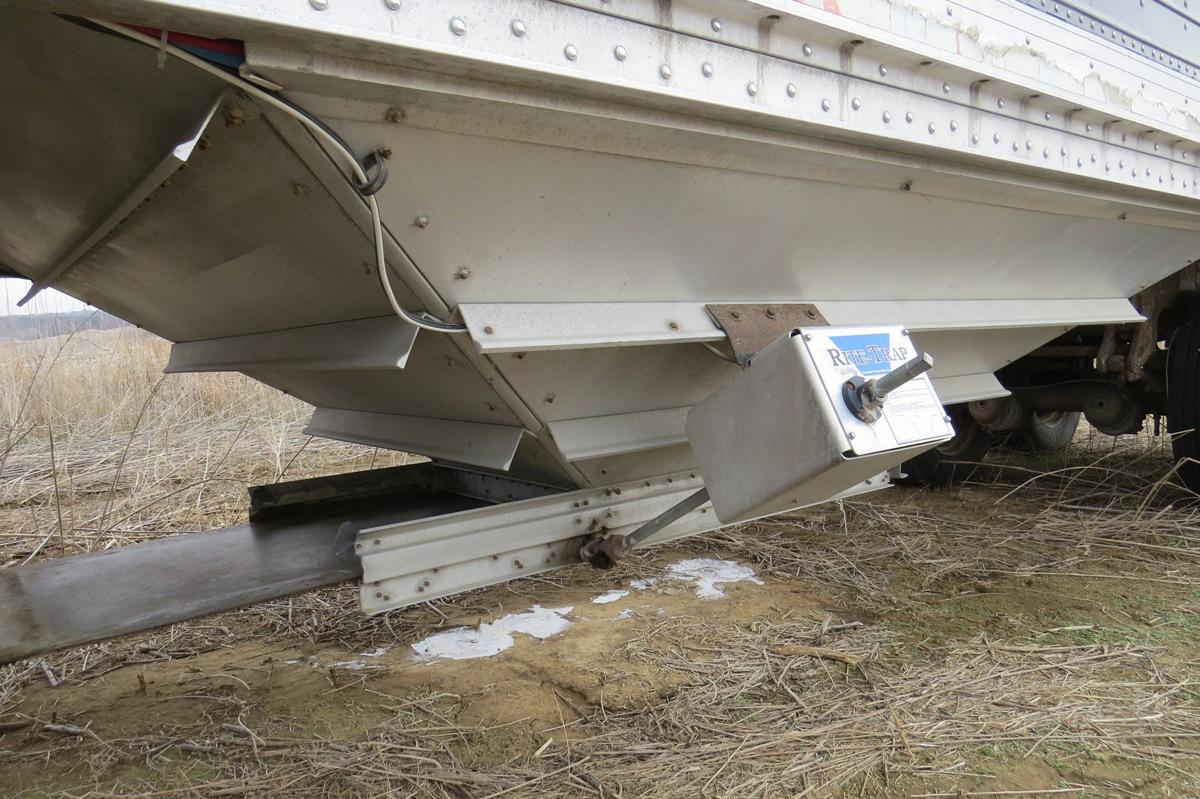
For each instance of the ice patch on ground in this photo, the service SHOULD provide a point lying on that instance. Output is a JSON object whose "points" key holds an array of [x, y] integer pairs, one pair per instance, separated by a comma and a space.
{"points": [[642, 585], [627, 613], [378, 651], [609, 596], [350, 665], [708, 573], [465, 643]]}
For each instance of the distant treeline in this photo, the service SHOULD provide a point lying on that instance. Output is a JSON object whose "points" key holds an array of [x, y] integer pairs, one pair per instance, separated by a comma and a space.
{"points": [[30, 326]]}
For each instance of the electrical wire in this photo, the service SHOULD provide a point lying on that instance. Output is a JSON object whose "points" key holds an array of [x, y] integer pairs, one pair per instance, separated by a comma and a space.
{"points": [[322, 132]]}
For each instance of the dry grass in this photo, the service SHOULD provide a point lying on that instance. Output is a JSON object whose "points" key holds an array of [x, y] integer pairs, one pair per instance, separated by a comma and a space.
{"points": [[1036, 633]]}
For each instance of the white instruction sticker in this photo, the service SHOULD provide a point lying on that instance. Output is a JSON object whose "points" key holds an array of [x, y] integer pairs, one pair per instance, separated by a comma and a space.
{"points": [[912, 414]]}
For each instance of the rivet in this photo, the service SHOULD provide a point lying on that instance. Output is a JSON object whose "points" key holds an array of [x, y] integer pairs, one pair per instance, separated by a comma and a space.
{"points": [[1093, 158], [825, 105], [974, 138], [953, 125], [1000, 102], [932, 128], [751, 88], [706, 69], [808, 336], [949, 11], [1121, 164], [1156, 146], [518, 27], [716, 24], [996, 138], [791, 90], [1122, 137], [807, 49], [570, 52], [665, 71], [856, 104], [1160, 178], [1078, 162], [1028, 144], [458, 26], [882, 70], [1016, 147], [463, 272], [421, 221], [908, 116], [887, 116], [489, 330], [1045, 152], [619, 53], [1108, 167], [394, 5], [319, 5], [1088, 127], [672, 325], [1062, 151], [850, 434], [1048, 115]]}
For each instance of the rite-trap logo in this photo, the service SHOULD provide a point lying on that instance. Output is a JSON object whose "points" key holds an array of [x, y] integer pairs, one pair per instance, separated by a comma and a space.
{"points": [[872, 353]]}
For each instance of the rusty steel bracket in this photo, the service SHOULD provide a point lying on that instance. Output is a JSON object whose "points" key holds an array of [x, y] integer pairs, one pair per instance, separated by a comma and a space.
{"points": [[752, 326]]}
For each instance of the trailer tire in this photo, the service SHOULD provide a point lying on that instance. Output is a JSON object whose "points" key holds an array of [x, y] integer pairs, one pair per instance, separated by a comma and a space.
{"points": [[1051, 431], [956, 460], [1183, 401]]}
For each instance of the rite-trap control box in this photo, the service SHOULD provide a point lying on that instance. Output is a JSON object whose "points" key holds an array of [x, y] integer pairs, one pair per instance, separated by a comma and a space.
{"points": [[802, 423]]}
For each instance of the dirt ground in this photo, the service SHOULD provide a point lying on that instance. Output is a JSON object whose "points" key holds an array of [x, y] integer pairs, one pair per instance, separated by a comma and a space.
{"points": [[1021, 636]]}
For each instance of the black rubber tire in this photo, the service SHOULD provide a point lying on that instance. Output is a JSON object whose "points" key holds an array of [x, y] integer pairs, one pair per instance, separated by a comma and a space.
{"points": [[1049, 432], [954, 461], [1183, 401]]}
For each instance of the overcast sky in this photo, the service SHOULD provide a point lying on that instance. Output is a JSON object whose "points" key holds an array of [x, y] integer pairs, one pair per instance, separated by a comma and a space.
{"points": [[49, 301]]}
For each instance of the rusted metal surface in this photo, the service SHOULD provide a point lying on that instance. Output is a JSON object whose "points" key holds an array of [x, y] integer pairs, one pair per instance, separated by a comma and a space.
{"points": [[752, 326]]}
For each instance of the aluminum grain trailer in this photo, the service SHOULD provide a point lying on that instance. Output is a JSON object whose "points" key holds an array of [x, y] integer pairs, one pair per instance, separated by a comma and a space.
{"points": [[625, 270]]}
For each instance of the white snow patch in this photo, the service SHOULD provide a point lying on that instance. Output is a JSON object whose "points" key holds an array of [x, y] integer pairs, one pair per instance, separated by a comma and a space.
{"points": [[642, 585], [378, 651], [351, 665], [610, 596], [627, 613], [465, 643], [290, 662], [707, 573]]}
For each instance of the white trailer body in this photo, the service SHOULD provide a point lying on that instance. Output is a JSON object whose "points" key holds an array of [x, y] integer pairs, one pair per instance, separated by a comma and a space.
{"points": [[615, 197]]}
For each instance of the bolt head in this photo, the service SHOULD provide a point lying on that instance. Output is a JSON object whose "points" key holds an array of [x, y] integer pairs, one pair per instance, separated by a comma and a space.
{"points": [[882, 70], [807, 48], [463, 272], [825, 106], [856, 103], [716, 25], [421, 221], [850, 435], [619, 53], [489, 330], [518, 28], [392, 5], [945, 88], [319, 5], [887, 116], [791, 90], [665, 71], [570, 52], [458, 26], [751, 88], [908, 116], [706, 69]]}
